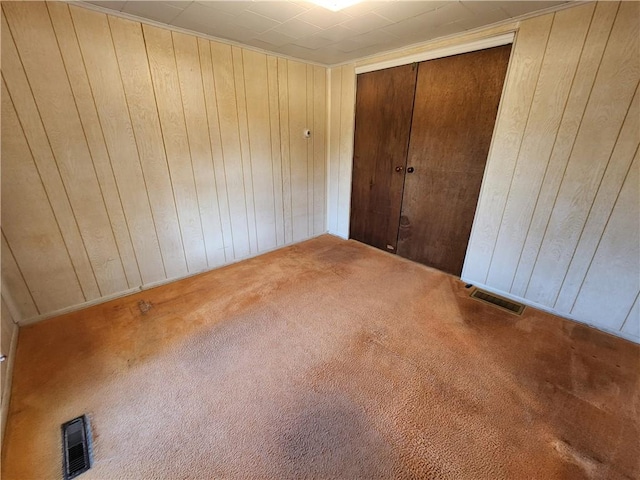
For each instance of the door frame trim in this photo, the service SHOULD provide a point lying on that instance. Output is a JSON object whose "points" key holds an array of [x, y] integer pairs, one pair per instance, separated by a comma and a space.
{"points": [[480, 44]]}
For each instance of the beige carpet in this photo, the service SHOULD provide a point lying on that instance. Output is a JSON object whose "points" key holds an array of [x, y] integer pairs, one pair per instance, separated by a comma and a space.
{"points": [[328, 359]]}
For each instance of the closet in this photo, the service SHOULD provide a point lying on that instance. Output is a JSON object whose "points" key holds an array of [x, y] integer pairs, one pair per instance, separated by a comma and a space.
{"points": [[422, 136]]}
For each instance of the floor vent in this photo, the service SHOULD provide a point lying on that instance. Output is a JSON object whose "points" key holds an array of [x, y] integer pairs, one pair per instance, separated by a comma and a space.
{"points": [[500, 302], [76, 445]]}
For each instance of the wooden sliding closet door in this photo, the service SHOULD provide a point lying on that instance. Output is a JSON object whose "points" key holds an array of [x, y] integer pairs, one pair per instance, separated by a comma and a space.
{"points": [[384, 102], [453, 117]]}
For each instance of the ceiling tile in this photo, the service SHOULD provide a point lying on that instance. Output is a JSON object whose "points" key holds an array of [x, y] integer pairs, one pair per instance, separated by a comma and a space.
{"points": [[398, 11], [254, 42], [276, 39], [314, 42], [483, 18], [362, 8], [306, 5], [278, 11], [297, 28], [158, 11], [201, 19], [255, 22], [364, 41], [337, 33], [233, 8], [322, 17], [180, 4], [520, 8], [480, 6], [233, 32], [367, 22], [113, 5], [296, 51]]}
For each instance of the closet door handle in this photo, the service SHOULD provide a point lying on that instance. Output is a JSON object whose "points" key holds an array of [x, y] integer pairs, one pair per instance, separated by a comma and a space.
{"points": [[399, 169], [410, 170]]}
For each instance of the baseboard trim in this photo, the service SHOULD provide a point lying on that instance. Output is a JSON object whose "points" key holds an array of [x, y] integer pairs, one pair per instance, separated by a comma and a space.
{"points": [[488, 288]]}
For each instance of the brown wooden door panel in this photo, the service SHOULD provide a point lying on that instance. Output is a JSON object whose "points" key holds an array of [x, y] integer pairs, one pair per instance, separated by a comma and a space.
{"points": [[453, 118], [384, 104]]}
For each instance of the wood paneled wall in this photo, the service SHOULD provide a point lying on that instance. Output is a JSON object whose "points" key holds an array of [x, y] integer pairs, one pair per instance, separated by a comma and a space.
{"points": [[342, 85], [557, 222], [9, 336], [132, 155]]}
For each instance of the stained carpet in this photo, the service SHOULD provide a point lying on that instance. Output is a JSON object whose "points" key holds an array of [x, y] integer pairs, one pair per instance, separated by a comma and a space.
{"points": [[327, 359]]}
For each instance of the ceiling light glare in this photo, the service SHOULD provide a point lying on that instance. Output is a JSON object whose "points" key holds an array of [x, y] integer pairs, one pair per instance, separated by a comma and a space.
{"points": [[335, 5]]}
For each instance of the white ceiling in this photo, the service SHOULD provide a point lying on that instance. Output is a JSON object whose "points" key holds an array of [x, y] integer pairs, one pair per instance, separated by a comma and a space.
{"points": [[309, 32]]}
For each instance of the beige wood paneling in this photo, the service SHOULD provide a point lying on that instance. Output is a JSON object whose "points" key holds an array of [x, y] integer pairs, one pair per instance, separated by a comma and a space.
{"points": [[549, 100], [103, 70], [66, 36], [213, 121], [247, 174], [29, 225], [276, 152], [131, 56], [151, 155], [14, 287], [631, 325], [230, 140], [526, 59], [567, 131], [162, 62], [9, 336], [298, 151], [17, 83], [333, 201], [607, 107], [594, 46], [613, 273], [347, 123], [192, 90], [319, 149], [285, 135], [259, 133], [31, 28], [608, 191]]}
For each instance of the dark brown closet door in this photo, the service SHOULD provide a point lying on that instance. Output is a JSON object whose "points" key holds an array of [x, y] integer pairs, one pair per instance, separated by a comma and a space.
{"points": [[384, 102], [453, 117]]}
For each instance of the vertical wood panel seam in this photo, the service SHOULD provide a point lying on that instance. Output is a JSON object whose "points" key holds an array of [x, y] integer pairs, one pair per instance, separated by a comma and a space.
{"points": [[327, 143], [84, 133], [553, 146], [312, 203], [215, 176], [573, 144], [271, 156], [629, 312], [524, 131], [289, 142], [64, 187], [340, 133], [589, 214], [224, 166], [135, 138], [45, 193], [193, 173], [253, 183], [242, 154], [284, 228], [84, 65], [20, 270], [166, 159]]}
